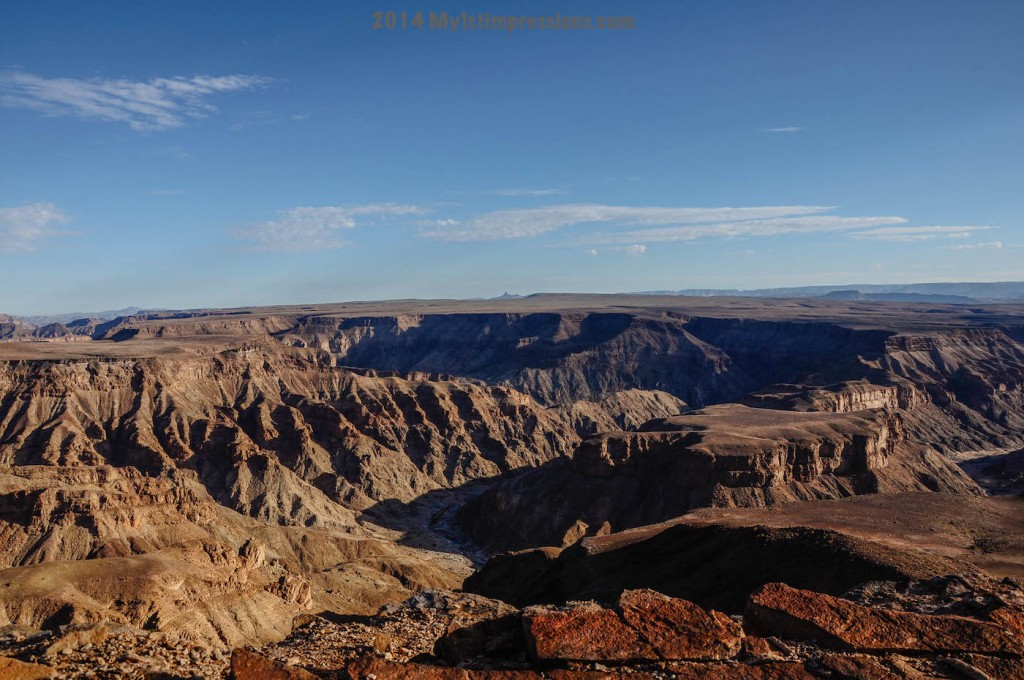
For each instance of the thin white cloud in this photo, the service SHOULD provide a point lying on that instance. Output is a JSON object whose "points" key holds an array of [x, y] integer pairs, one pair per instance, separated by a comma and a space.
{"points": [[767, 227], [262, 118], [997, 245], [155, 104], [174, 152], [928, 233], [634, 249], [318, 228], [24, 228], [527, 192], [626, 226], [783, 130], [527, 222]]}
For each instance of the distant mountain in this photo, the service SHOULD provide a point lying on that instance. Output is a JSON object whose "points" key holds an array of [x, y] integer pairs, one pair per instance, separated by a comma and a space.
{"points": [[950, 293], [45, 320], [12, 326], [845, 295], [933, 298]]}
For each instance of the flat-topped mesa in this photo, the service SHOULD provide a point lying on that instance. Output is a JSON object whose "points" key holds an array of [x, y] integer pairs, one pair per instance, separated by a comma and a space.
{"points": [[736, 446], [722, 456], [844, 397], [958, 339]]}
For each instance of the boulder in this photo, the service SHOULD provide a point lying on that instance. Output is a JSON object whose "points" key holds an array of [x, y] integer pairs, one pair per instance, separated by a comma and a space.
{"points": [[647, 626], [679, 629], [246, 665], [12, 669], [582, 632]]}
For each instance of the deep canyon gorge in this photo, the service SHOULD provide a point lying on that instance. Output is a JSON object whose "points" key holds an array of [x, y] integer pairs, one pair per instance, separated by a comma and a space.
{"points": [[388, 474]]}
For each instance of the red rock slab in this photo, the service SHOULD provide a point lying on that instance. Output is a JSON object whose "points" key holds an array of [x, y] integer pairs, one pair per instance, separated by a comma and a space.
{"points": [[599, 675], [778, 609], [12, 669], [855, 667], [246, 665], [680, 630], [1011, 618], [583, 632], [374, 667], [1008, 669], [771, 670]]}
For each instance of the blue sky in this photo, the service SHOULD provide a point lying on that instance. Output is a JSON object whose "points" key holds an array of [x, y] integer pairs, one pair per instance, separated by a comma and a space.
{"points": [[179, 155]]}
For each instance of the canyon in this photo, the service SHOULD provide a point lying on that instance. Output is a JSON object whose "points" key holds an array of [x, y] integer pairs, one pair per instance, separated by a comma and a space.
{"points": [[339, 488]]}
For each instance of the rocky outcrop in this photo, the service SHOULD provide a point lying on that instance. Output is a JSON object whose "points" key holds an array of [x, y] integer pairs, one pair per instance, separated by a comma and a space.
{"points": [[948, 627], [648, 635]]}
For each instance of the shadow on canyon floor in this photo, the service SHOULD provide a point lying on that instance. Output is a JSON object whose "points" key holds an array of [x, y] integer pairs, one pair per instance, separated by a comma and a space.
{"points": [[428, 521]]}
